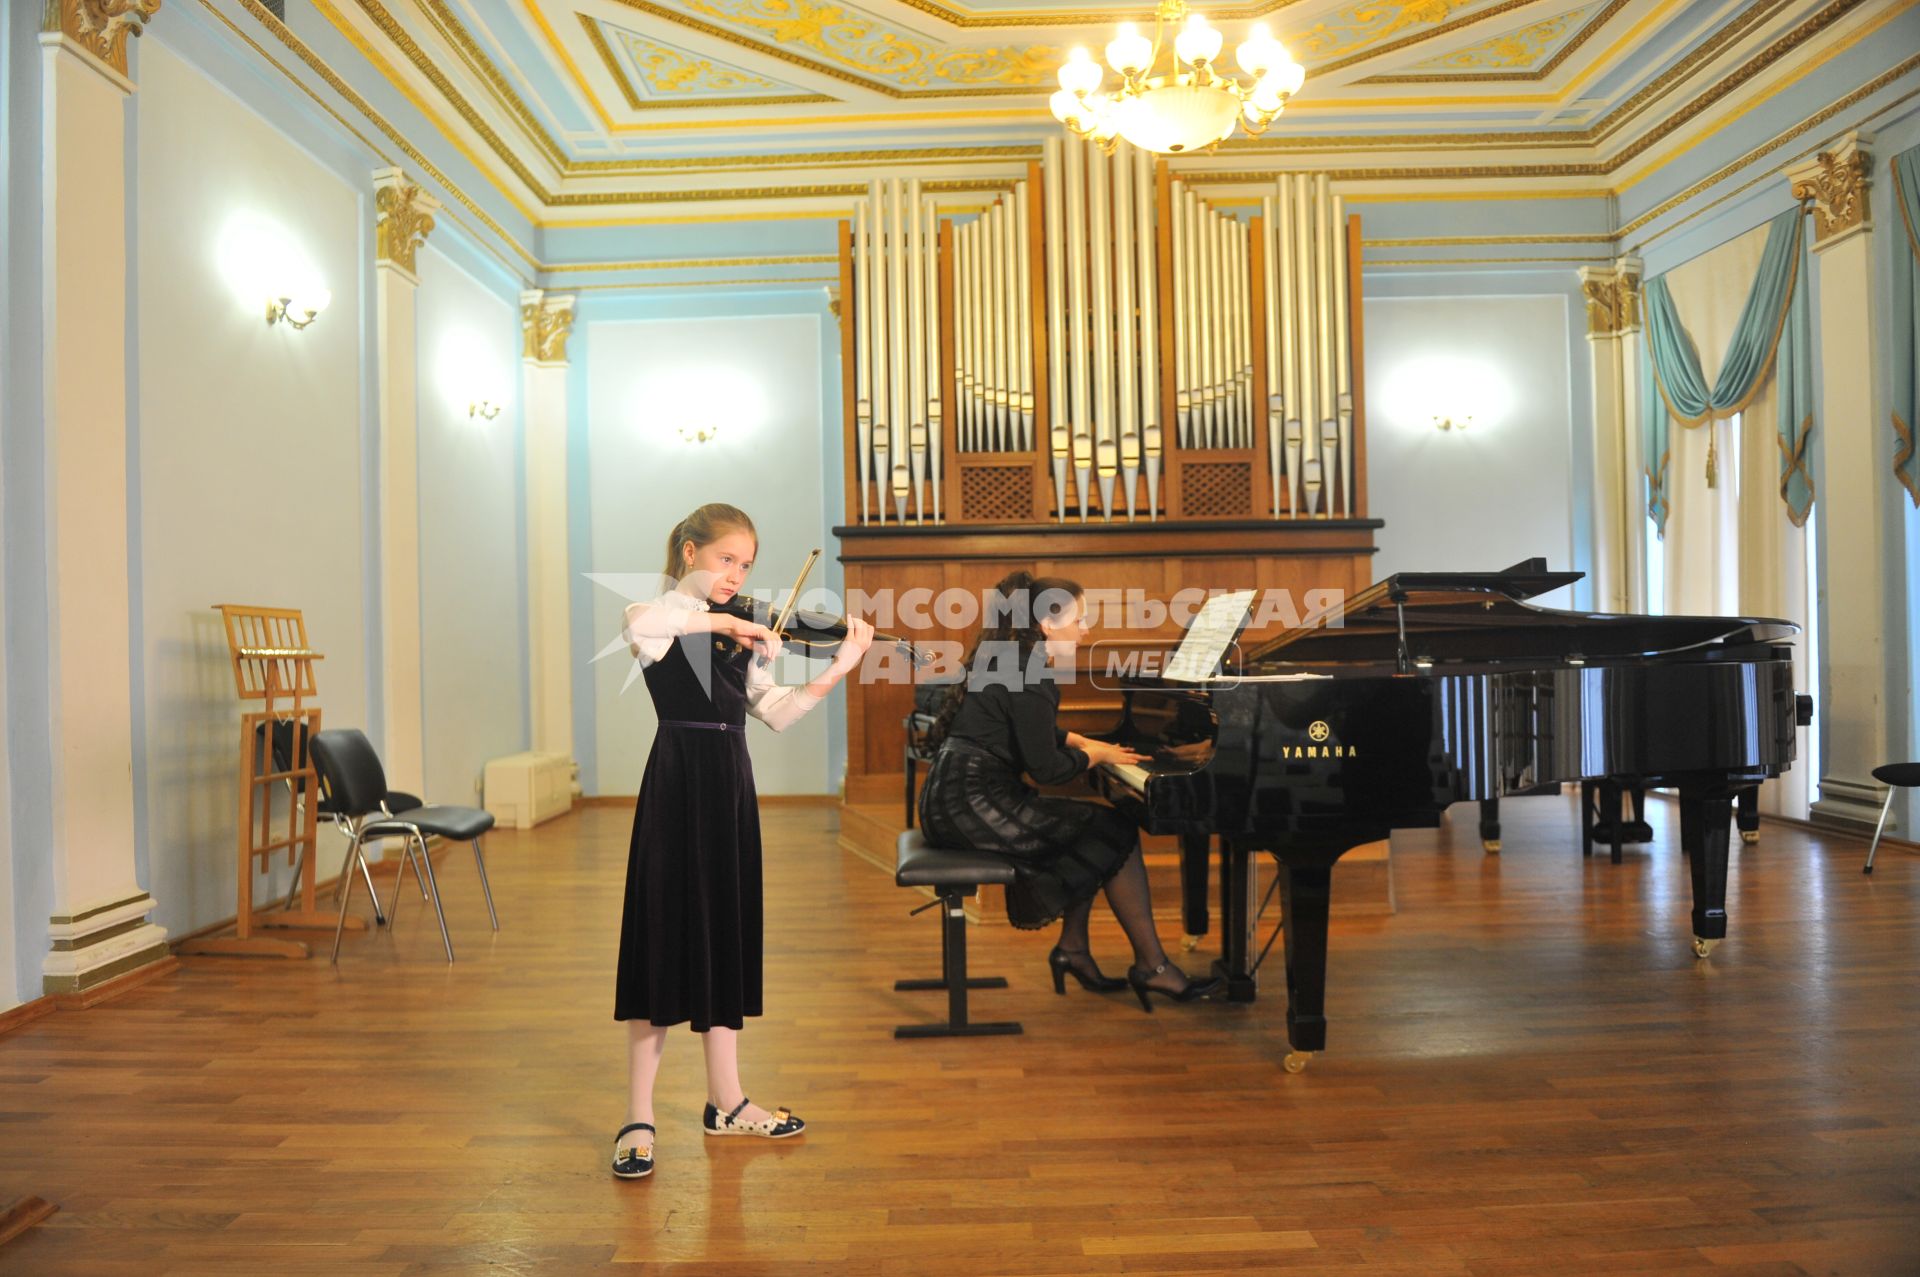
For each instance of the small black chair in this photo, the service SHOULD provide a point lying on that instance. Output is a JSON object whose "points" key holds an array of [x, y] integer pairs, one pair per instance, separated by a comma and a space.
{"points": [[352, 780], [282, 744], [1893, 776], [953, 875]]}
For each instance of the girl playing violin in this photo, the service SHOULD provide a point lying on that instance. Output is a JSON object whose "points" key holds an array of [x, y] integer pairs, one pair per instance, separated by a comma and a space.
{"points": [[999, 722], [690, 935]]}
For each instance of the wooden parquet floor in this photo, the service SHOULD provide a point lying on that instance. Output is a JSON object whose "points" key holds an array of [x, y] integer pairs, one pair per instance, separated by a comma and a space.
{"points": [[1528, 1073]]}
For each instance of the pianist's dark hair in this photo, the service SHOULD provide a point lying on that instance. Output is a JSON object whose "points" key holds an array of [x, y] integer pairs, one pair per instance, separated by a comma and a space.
{"points": [[1013, 617]]}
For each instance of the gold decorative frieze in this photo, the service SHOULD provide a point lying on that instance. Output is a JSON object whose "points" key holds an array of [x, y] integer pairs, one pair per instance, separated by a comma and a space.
{"points": [[1520, 49], [1835, 185], [546, 320], [405, 218], [101, 26]]}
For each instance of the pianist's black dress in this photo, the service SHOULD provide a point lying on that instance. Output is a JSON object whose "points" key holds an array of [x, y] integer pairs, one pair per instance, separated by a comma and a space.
{"points": [[1063, 849]]}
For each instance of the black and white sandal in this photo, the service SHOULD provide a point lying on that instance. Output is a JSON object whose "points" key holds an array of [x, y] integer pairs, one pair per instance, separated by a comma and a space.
{"points": [[781, 1124], [635, 1161]]}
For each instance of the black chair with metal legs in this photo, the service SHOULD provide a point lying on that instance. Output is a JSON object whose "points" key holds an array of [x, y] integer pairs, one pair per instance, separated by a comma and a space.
{"points": [[352, 780], [1894, 776]]}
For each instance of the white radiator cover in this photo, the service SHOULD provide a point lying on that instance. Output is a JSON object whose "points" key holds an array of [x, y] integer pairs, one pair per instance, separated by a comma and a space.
{"points": [[521, 790]]}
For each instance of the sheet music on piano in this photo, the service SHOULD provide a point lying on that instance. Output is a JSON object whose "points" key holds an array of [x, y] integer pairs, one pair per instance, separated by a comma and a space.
{"points": [[1218, 624]]}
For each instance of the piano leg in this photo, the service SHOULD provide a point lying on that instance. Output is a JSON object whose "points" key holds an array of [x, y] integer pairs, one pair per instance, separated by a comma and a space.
{"points": [[1615, 797], [1196, 851], [1490, 825], [1748, 813], [1705, 827], [1239, 884], [1587, 817], [1306, 880]]}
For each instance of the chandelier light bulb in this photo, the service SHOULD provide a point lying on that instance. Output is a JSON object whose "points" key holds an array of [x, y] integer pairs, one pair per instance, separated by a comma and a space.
{"points": [[1129, 53], [1065, 106], [1197, 44], [1290, 74], [1260, 52], [1080, 74]]}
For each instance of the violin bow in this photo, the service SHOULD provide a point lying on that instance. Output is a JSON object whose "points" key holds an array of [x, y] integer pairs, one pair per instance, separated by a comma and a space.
{"points": [[793, 599]]}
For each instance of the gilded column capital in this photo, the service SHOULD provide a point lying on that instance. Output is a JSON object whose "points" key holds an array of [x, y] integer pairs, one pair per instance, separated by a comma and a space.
{"points": [[546, 321], [101, 27], [404, 217], [1613, 298], [1834, 185]]}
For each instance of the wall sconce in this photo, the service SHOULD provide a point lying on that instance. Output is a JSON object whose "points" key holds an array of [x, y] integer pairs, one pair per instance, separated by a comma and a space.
{"points": [[483, 408], [699, 434], [297, 311], [1453, 423]]}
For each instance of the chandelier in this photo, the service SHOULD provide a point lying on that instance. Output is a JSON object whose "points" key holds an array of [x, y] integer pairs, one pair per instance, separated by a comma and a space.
{"points": [[1188, 108]]}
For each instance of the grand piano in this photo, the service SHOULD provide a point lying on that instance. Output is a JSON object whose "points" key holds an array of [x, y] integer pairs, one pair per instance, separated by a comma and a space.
{"points": [[1431, 688]]}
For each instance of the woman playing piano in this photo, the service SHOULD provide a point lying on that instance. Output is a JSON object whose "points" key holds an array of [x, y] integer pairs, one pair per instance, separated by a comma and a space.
{"points": [[999, 721]]}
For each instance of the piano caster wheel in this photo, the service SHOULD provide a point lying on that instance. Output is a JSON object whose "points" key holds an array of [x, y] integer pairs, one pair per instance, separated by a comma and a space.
{"points": [[1492, 846], [1296, 1061], [1189, 943], [1749, 835], [1701, 948]]}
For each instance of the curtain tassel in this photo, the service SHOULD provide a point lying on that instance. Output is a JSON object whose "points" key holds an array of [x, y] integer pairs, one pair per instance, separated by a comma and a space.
{"points": [[1713, 465]]}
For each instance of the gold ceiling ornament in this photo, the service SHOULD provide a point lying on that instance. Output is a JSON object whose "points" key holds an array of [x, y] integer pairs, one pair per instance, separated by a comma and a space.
{"points": [[1191, 106], [546, 320], [865, 44], [1516, 49], [1836, 186], [101, 26], [405, 217], [1364, 25]]}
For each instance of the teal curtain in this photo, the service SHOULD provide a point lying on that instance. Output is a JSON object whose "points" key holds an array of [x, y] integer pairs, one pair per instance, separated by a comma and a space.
{"points": [[1774, 335], [1906, 320]]}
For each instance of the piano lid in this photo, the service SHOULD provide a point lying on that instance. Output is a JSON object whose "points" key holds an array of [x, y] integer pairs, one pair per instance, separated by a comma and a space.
{"points": [[1413, 617]]}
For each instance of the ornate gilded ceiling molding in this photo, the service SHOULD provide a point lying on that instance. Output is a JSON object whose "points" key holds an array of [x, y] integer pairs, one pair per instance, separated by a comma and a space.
{"points": [[546, 320], [101, 27], [1514, 48], [1834, 185], [674, 70], [856, 52], [405, 218]]}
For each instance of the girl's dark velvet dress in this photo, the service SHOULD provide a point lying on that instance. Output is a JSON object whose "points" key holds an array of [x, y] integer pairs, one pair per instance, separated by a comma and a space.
{"points": [[1063, 849], [690, 936]]}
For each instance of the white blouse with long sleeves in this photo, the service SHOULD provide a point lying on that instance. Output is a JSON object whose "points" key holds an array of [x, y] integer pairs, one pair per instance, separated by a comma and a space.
{"points": [[653, 627]]}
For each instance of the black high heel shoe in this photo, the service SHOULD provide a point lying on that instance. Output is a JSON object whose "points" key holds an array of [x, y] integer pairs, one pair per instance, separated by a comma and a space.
{"points": [[1192, 991], [1063, 965]]}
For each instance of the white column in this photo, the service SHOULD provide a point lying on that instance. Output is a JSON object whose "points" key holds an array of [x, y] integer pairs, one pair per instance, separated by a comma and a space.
{"points": [[404, 218], [99, 927], [546, 321], [1612, 318], [1854, 494]]}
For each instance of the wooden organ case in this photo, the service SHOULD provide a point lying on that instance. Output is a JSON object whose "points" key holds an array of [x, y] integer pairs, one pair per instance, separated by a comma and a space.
{"points": [[1100, 376]]}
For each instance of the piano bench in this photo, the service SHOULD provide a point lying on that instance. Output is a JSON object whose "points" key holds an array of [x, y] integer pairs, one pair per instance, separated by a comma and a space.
{"points": [[954, 875]]}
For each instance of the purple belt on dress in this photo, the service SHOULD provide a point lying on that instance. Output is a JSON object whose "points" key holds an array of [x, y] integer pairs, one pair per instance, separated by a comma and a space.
{"points": [[691, 722]]}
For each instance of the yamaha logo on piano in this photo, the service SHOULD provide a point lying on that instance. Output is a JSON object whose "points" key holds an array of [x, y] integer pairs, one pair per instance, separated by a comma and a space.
{"points": [[1319, 732]]}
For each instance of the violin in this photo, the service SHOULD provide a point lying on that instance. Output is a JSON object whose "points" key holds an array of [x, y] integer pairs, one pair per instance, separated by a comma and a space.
{"points": [[816, 633]]}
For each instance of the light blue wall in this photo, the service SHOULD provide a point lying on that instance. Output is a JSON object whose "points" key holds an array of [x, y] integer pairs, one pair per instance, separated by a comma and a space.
{"points": [[783, 348], [473, 589]]}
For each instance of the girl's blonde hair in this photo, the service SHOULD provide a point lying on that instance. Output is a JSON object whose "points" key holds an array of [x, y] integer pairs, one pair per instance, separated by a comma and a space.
{"points": [[703, 527]]}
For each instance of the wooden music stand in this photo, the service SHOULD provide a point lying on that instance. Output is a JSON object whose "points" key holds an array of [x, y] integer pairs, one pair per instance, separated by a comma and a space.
{"points": [[272, 664]]}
